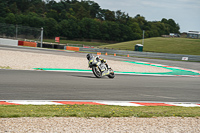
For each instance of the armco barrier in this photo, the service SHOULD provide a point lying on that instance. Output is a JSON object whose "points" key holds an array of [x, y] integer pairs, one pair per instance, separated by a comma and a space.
{"points": [[143, 54], [11, 42], [8, 42]]}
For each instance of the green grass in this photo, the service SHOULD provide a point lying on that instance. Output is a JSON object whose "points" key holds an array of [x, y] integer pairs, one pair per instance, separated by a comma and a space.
{"points": [[5, 67], [7, 111], [161, 45], [157, 44]]}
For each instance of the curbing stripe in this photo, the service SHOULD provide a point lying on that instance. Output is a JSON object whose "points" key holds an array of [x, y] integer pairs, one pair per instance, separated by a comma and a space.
{"points": [[114, 103], [79, 103], [7, 103], [186, 104], [118, 103], [154, 104], [33, 102]]}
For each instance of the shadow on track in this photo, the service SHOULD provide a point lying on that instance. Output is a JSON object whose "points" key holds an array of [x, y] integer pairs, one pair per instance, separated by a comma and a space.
{"points": [[82, 76]]}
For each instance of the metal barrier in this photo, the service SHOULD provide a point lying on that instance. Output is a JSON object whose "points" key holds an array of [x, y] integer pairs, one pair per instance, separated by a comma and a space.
{"points": [[107, 51], [144, 54]]}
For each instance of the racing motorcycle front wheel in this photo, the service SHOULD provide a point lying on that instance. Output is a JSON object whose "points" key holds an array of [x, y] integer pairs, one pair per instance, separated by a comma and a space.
{"points": [[96, 71], [111, 75]]}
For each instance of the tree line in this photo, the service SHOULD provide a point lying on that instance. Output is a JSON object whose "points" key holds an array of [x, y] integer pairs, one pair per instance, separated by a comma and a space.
{"points": [[83, 19]]}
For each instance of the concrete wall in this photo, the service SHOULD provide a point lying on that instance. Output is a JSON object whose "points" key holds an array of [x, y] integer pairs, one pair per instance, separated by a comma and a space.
{"points": [[8, 42]]}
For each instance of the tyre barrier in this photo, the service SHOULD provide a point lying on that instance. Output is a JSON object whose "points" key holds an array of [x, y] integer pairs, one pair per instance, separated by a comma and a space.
{"points": [[53, 46]]}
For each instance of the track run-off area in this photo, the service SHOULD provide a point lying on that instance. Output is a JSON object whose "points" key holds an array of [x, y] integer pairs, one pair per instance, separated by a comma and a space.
{"points": [[179, 87], [174, 71]]}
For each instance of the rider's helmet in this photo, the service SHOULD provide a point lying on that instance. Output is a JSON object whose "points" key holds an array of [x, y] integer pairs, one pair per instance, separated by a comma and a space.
{"points": [[103, 61], [88, 56]]}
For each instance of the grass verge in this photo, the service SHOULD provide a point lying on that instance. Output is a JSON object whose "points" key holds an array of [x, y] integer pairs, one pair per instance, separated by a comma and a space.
{"points": [[5, 67], [156, 44], [161, 45], [9, 111]]}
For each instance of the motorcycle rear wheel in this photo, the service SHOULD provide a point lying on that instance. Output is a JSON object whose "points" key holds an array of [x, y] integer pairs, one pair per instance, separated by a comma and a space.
{"points": [[96, 71]]}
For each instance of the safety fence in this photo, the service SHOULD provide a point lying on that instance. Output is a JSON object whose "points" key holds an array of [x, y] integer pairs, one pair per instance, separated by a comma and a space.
{"points": [[102, 51], [19, 31]]}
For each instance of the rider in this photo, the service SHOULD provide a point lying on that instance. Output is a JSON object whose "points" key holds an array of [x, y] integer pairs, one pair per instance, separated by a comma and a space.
{"points": [[90, 56]]}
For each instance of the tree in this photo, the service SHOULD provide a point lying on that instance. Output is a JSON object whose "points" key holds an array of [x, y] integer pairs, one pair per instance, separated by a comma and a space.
{"points": [[94, 9], [171, 22], [171, 25], [109, 15], [126, 33], [36, 22], [89, 28], [114, 31], [121, 17], [104, 31], [161, 28], [82, 19], [82, 13], [22, 5], [50, 28], [141, 21], [95, 28], [2, 20], [164, 20], [13, 8], [3, 9], [53, 14], [135, 28], [69, 28], [71, 14], [10, 19], [39, 5]]}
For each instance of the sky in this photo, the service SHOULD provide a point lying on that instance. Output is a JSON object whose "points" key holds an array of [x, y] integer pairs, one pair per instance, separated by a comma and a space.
{"points": [[184, 12]]}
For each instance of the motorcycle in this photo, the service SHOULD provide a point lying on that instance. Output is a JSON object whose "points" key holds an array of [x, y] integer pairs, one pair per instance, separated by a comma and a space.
{"points": [[99, 67]]}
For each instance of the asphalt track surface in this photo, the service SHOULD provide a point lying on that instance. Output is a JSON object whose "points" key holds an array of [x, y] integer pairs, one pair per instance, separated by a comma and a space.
{"points": [[44, 85]]}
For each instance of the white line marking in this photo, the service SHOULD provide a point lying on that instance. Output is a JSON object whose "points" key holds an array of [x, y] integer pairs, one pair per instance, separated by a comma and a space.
{"points": [[35, 102], [166, 97], [120, 103]]}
